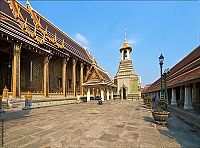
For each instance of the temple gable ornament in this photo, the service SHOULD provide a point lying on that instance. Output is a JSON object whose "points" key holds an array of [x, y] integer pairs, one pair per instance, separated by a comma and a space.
{"points": [[93, 76]]}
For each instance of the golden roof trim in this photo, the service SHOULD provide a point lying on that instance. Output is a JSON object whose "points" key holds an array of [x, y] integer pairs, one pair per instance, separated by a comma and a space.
{"points": [[14, 5]]}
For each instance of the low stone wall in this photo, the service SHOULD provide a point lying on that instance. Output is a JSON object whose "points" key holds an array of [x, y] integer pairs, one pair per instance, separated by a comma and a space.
{"points": [[133, 96], [51, 102], [41, 102]]}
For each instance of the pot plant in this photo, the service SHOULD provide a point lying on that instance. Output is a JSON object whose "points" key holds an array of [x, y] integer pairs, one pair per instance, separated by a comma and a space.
{"points": [[148, 101], [160, 115]]}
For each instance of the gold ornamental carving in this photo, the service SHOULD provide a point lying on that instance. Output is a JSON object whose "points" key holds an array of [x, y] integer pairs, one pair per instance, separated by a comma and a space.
{"points": [[37, 28], [94, 75]]}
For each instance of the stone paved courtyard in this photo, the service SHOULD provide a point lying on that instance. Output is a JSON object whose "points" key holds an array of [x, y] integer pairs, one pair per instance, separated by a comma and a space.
{"points": [[114, 124]]}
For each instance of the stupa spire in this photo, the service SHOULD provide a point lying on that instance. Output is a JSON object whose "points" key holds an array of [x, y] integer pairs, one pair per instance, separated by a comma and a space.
{"points": [[125, 34]]}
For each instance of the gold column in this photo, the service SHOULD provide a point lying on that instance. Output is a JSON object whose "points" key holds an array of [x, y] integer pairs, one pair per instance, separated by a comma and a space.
{"points": [[81, 79], [46, 76], [64, 76], [74, 76], [88, 68], [97, 92], [16, 70]]}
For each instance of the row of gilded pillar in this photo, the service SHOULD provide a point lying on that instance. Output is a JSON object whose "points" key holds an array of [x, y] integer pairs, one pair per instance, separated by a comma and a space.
{"points": [[16, 74]]}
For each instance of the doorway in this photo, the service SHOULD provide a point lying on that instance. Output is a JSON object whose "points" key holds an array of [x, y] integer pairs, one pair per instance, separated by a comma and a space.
{"points": [[124, 93]]}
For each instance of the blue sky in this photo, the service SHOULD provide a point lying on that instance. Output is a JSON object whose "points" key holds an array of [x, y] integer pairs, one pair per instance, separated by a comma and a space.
{"points": [[153, 27]]}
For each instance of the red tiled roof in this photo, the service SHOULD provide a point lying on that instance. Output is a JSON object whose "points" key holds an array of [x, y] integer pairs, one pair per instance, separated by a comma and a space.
{"points": [[186, 70]]}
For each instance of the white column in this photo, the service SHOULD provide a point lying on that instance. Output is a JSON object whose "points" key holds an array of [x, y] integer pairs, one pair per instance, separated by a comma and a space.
{"points": [[157, 97], [160, 95], [107, 94], [173, 102], [122, 54], [188, 98], [128, 54], [88, 95], [102, 94], [111, 94]]}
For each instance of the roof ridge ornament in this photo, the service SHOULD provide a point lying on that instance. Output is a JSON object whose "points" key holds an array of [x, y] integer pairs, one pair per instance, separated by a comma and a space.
{"points": [[28, 5]]}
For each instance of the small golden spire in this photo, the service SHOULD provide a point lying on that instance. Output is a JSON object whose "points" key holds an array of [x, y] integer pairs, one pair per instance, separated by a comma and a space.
{"points": [[55, 37], [28, 6], [46, 31], [62, 44], [38, 22], [35, 29], [125, 44]]}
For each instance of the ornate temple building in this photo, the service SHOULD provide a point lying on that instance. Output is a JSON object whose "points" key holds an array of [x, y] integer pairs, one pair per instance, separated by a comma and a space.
{"points": [[38, 57], [183, 83], [126, 79], [98, 81]]}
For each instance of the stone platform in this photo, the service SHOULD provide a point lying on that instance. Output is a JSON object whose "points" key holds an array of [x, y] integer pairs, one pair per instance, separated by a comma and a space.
{"points": [[116, 123]]}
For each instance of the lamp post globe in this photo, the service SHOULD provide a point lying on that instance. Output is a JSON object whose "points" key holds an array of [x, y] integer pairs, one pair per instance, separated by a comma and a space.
{"points": [[161, 59]]}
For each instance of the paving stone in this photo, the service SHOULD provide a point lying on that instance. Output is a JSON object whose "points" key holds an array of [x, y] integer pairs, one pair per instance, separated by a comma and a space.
{"points": [[42, 142], [109, 137], [20, 142], [150, 130], [131, 128]]}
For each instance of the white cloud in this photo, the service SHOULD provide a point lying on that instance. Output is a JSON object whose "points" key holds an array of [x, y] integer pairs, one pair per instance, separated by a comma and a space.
{"points": [[82, 39], [132, 41]]}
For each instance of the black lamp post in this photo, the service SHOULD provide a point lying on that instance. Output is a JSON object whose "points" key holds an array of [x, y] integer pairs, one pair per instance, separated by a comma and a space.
{"points": [[161, 59]]}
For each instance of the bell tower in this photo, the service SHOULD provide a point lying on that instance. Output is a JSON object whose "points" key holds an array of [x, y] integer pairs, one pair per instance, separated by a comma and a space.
{"points": [[126, 49], [126, 79]]}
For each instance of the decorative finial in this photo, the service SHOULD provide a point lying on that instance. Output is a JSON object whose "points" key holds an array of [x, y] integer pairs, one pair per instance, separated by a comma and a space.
{"points": [[125, 34], [28, 4]]}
